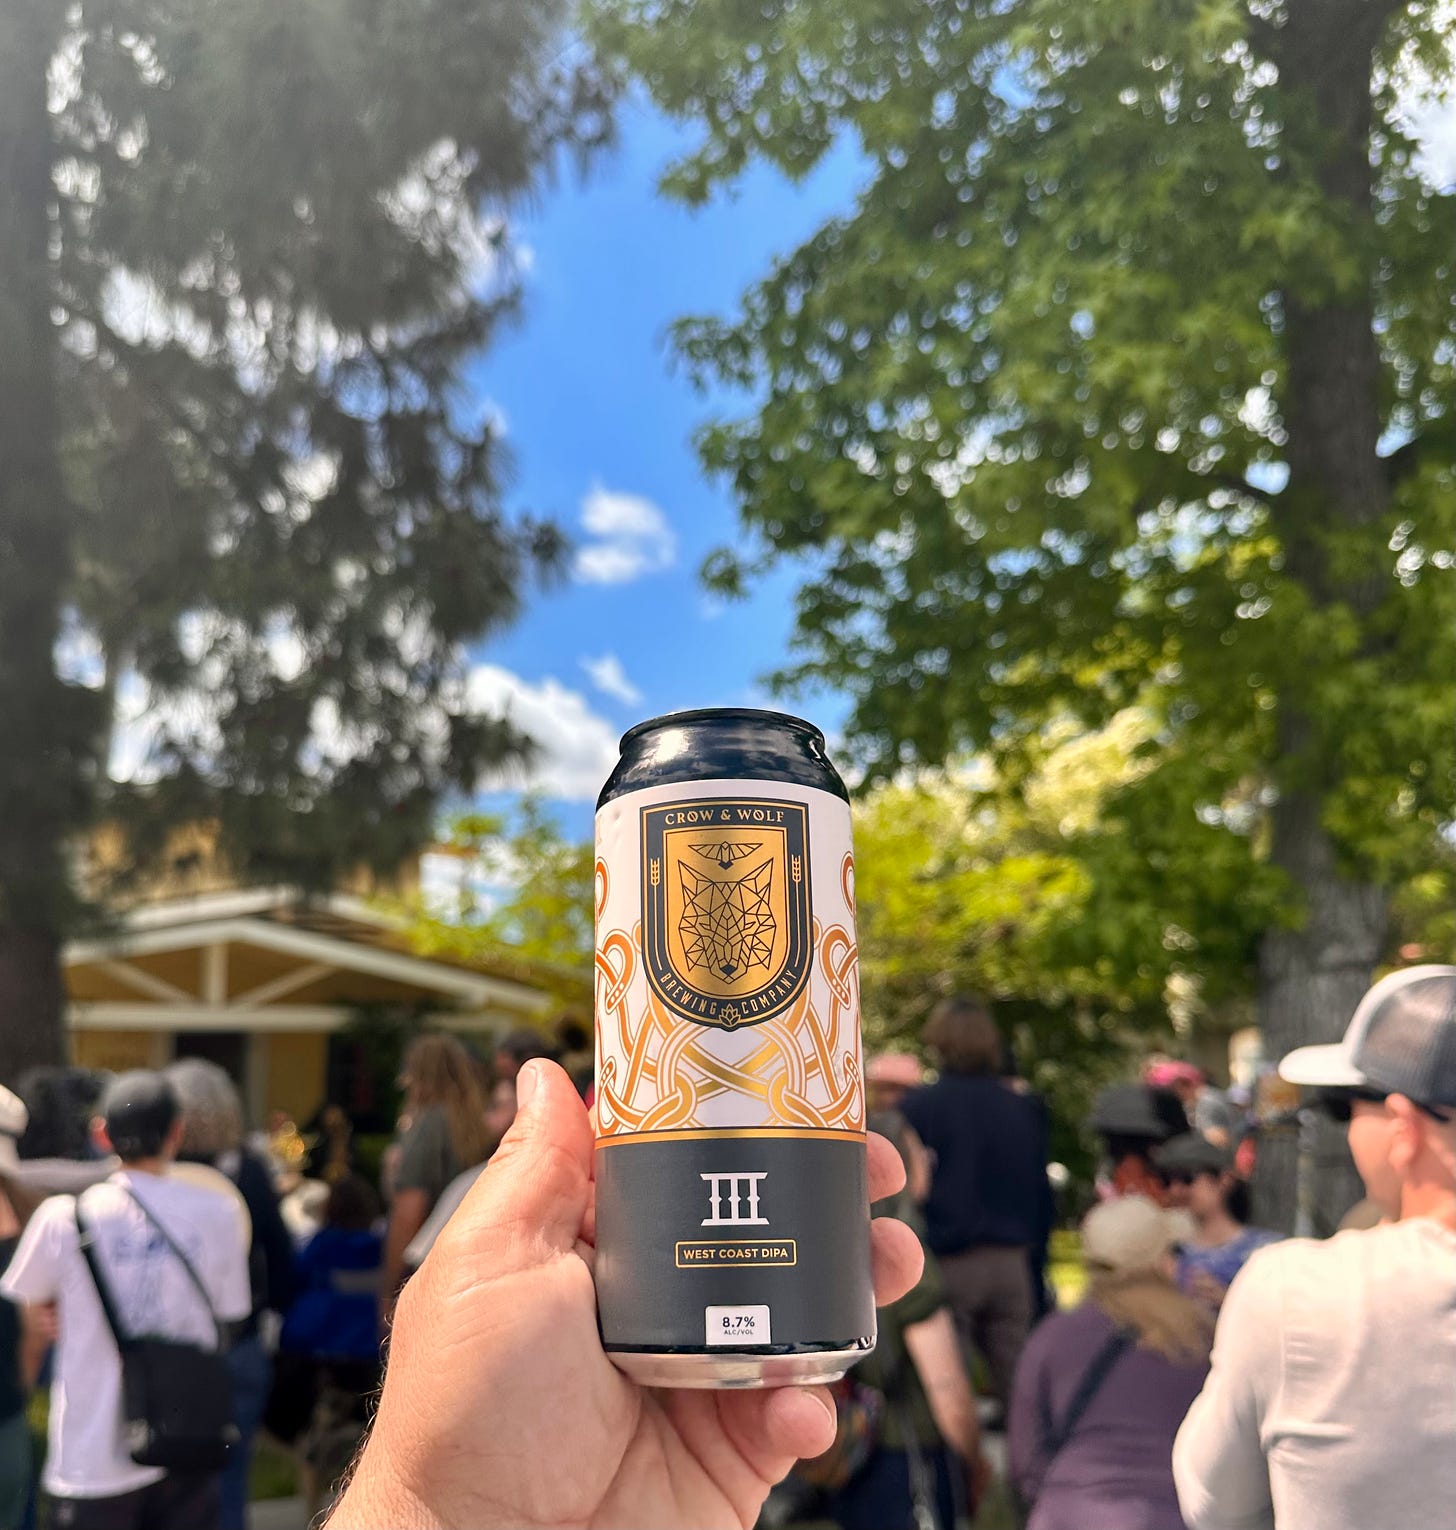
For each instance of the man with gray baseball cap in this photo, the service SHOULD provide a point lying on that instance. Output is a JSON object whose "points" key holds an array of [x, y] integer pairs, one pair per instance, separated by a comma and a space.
{"points": [[1331, 1403]]}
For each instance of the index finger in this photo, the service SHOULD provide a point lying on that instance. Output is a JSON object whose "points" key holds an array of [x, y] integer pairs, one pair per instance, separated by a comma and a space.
{"points": [[885, 1168]]}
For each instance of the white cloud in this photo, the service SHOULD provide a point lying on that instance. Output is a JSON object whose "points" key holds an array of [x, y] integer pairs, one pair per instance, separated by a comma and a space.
{"points": [[611, 679], [578, 748], [628, 537]]}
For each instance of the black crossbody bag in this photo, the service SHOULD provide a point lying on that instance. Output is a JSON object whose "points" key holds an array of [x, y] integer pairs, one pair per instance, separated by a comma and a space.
{"points": [[176, 1397]]}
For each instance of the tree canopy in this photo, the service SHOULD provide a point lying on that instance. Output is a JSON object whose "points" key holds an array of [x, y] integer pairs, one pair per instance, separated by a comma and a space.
{"points": [[249, 521], [1127, 381], [520, 893]]}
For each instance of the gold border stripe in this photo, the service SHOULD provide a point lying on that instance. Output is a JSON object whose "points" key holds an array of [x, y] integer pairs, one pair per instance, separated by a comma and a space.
{"points": [[730, 1131]]}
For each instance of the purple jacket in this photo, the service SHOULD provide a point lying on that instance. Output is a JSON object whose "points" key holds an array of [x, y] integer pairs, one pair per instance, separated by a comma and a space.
{"points": [[1116, 1470]]}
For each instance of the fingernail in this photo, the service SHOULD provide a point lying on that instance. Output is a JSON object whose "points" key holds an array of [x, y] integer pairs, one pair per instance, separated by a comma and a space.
{"points": [[527, 1081]]}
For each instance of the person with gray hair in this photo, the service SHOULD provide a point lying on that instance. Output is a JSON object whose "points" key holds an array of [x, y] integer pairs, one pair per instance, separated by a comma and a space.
{"points": [[212, 1134]]}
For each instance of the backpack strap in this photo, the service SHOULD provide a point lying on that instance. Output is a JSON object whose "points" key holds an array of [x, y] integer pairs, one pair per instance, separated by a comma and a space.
{"points": [[1056, 1435], [183, 1260]]}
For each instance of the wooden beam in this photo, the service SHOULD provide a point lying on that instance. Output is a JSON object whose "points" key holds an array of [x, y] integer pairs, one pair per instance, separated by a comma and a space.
{"points": [[214, 972], [146, 982], [203, 1017], [286, 983]]}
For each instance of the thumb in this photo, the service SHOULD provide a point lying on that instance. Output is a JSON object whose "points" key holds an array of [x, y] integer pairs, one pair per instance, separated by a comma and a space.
{"points": [[528, 1203]]}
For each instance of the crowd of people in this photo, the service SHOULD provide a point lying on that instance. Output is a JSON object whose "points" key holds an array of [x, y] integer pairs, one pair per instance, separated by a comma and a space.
{"points": [[1213, 1375], [1122, 1413], [138, 1213]]}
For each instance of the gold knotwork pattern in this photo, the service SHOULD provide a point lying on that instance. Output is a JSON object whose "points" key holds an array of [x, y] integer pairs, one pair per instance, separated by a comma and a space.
{"points": [[659, 1072]]}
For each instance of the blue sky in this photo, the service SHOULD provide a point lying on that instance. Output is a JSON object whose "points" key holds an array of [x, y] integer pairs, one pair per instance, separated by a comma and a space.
{"points": [[599, 420]]}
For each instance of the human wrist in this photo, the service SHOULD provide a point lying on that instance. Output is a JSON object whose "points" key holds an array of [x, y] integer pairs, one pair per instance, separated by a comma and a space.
{"points": [[378, 1500]]}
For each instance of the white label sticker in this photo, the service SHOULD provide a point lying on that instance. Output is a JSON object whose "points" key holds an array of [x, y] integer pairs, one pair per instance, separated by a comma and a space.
{"points": [[737, 1325]]}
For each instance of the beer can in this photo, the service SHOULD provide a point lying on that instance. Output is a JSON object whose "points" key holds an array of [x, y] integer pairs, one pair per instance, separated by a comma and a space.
{"points": [[732, 1220]]}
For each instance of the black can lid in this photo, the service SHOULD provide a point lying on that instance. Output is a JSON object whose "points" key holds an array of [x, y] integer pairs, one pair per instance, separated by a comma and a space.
{"points": [[706, 716]]}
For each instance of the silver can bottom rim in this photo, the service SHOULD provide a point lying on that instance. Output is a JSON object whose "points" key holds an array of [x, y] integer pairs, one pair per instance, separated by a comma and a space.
{"points": [[732, 1372]]}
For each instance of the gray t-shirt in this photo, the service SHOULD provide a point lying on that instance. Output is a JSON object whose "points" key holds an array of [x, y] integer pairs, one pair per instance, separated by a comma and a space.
{"points": [[426, 1159], [1331, 1404]]}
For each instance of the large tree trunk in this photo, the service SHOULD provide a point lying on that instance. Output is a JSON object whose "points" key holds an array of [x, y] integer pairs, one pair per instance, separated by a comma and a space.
{"points": [[1312, 977], [43, 748]]}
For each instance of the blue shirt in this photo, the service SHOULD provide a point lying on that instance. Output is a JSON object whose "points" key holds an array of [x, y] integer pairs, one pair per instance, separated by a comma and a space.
{"points": [[990, 1184], [1224, 1260], [336, 1312]]}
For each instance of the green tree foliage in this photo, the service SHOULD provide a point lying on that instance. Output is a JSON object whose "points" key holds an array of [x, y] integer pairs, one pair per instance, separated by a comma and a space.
{"points": [[1126, 382], [523, 896], [245, 509], [1037, 896]]}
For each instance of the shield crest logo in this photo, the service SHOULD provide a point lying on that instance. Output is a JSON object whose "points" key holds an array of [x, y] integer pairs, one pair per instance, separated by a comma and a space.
{"points": [[726, 917]]}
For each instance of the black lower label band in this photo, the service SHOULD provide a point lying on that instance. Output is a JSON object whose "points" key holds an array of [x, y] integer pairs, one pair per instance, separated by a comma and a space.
{"points": [[760, 1241]]}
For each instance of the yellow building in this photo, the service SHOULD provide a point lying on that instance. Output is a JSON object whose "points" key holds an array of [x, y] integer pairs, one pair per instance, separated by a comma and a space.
{"points": [[260, 980]]}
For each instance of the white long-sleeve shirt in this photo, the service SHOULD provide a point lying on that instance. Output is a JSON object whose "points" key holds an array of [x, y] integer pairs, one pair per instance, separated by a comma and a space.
{"points": [[1331, 1404]]}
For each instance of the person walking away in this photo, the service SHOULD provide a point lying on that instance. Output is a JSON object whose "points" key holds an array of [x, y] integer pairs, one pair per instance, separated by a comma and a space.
{"points": [[212, 1134], [1101, 1390], [55, 1151], [143, 1225], [1199, 1179], [989, 1210], [447, 1135], [926, 1459], [329, 1347], [499, 1113], [1332, 1400]]}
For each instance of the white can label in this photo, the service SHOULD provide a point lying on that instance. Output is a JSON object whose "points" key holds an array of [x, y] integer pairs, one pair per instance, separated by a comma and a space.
{"points": [[727, 976], [734, 1326]]}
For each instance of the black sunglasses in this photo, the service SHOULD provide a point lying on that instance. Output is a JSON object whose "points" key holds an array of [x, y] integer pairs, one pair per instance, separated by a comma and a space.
{"points": [[1184, 1176], [1339, 1104]]}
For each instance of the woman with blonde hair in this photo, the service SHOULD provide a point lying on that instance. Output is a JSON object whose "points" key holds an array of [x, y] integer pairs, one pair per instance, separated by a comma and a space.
{"points": [[1101, 1391], [446, 1135]]}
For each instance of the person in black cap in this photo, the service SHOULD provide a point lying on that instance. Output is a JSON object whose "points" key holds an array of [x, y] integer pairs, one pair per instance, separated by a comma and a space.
{"points": [[1331, 1404], [1133, 1119], [143, 1225], [1199, 1179]]}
